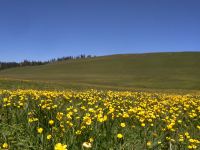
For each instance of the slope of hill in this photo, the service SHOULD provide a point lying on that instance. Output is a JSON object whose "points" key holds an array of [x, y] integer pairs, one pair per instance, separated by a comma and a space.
{"points": [[179, 70]]}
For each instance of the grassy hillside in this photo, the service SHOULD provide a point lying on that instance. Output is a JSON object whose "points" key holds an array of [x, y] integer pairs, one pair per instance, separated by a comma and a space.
{"points": [[153, 70]]}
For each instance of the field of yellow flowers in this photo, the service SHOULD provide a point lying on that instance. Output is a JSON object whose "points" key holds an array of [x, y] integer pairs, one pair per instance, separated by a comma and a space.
{"points": [[99, 120]]}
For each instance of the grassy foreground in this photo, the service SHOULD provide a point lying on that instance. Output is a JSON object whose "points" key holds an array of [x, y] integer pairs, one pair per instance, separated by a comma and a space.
{"points": [[74, 120], [150, 71]]}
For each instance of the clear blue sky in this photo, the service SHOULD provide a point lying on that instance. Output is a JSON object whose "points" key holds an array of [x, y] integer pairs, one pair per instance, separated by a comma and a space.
{"points": [[44, 29]]}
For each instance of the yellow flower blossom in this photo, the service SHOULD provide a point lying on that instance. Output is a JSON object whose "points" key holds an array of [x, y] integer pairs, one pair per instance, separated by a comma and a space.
{"points": [[51, 122], [119, 135], [49, 136], [5, 145], [123, 125], [40, 130], [60, 146]]}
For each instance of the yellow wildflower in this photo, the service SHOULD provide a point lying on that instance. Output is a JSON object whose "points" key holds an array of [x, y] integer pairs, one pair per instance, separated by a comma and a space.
{"points": [[5, 145], [39, 130], [60, 146], [119, 136], [51, 122], [122, 125], [49, 136]]}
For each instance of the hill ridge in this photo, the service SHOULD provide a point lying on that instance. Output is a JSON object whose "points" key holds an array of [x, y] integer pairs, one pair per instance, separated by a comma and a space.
{"points": [[170, 70]]}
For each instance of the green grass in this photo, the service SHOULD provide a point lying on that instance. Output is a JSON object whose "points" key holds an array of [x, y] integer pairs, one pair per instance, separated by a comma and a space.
{"points": [[179, 70]]}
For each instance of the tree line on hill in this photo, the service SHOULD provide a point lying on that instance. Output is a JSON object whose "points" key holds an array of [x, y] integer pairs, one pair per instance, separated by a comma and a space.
{"points": [[6, 65]]}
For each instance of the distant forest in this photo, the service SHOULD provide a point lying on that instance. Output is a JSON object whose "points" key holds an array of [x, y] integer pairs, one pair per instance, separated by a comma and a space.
{"points": [[6, 65]]}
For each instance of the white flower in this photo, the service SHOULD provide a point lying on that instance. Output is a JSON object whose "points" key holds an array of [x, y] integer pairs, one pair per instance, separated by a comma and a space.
{"points": [[87, 145]]}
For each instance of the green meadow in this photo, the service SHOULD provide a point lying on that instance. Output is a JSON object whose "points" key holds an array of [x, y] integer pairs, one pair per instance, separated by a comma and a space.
{"points": [[165, 71]]}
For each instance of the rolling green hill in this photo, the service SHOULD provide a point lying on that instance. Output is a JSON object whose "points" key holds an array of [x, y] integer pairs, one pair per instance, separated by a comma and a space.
{"points": [[179, 70]]}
